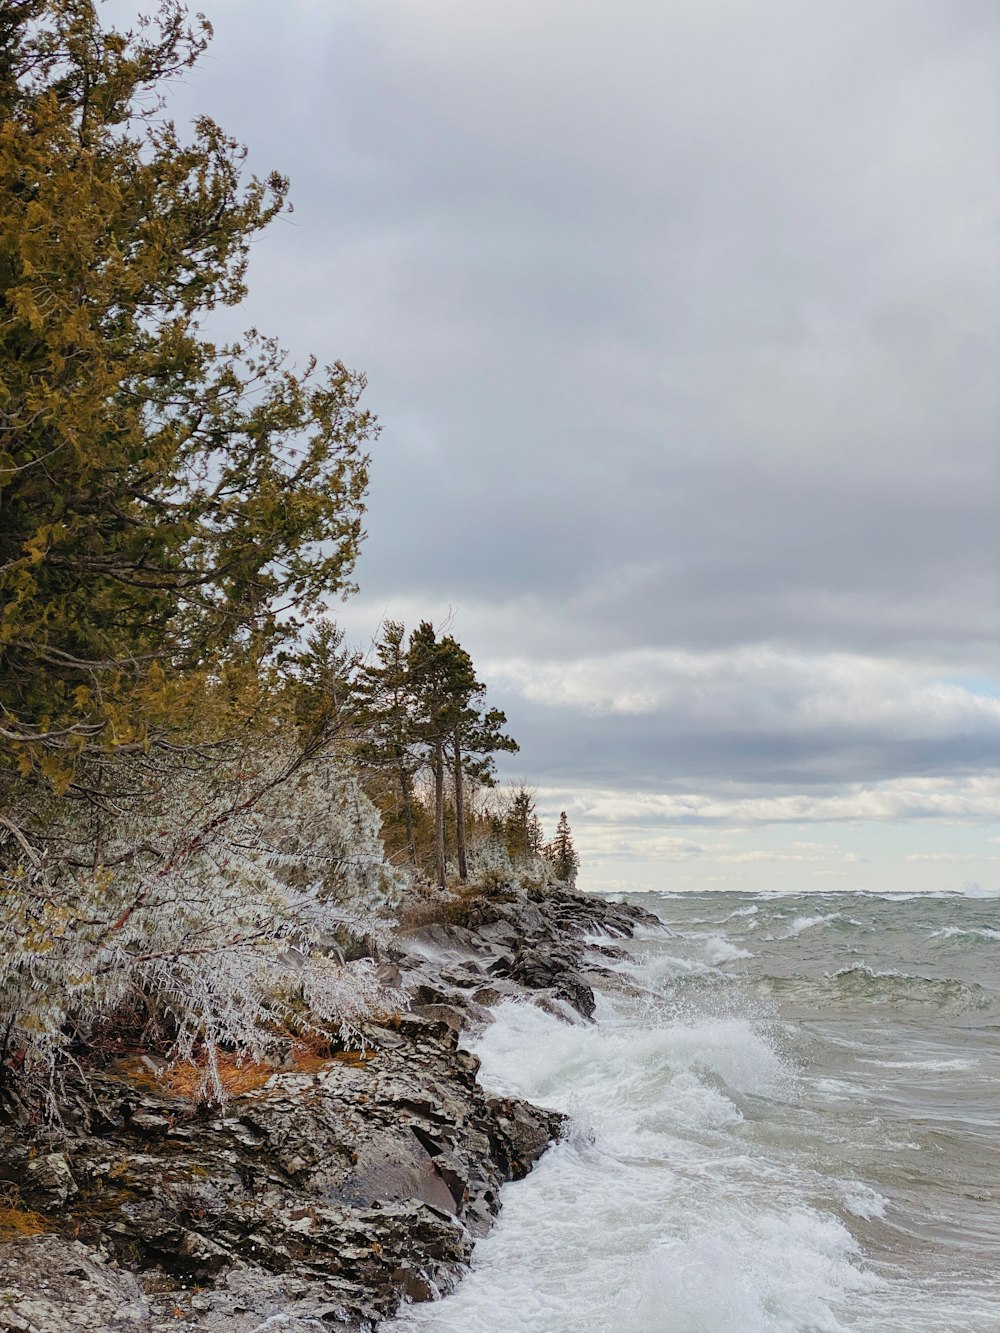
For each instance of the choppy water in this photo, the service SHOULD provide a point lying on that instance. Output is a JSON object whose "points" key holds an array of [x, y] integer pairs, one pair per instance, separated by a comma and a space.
{"points": [[790, 1127]]}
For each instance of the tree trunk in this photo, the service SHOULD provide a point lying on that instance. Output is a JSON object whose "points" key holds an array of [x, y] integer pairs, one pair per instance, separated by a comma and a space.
{"points": [[438, 765], [463, 869], [406, 796]]}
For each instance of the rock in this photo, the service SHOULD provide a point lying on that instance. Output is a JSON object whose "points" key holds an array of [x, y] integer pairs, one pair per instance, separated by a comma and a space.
{"points": [[47, 1181], [323, 1198], [48, 1285]]}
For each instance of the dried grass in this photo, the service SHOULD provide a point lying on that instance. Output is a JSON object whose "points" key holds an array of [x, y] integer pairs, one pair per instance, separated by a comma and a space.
{"points": [[237, 1074], [440, 907], [16, 1220]]}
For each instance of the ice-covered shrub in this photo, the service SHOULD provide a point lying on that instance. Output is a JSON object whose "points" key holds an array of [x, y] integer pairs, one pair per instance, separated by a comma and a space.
{"points": [[209, 893]]}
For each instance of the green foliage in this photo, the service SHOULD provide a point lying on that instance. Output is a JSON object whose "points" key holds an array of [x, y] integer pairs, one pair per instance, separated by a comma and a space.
{"points": [[386, 713], [561, 853], [419, 707], [168, 504], [521, 830]]}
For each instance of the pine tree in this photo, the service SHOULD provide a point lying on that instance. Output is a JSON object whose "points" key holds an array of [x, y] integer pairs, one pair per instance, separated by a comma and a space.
{"points": [[431, 679], [324, 678], [561, 853], [387, 719], [476, 737], [518, 827], [454, 727], [170, 506]]}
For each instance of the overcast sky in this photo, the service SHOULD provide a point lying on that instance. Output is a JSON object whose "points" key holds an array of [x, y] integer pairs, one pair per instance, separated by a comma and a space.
{"points": [[681, 320]]}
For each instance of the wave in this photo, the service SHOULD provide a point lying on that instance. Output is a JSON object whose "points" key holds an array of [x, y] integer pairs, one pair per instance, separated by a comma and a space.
{"points": [[769, 1272], [863, 1201], [956, 932], [930, 1066], [654, 1215], [718, 950], [892, 987], [861, 986], [665, 969], [799, 924]]}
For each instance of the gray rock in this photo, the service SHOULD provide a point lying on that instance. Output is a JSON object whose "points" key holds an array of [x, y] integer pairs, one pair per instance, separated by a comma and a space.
{"points": [[48, 1285], [47, 1180], [322, 1199]]}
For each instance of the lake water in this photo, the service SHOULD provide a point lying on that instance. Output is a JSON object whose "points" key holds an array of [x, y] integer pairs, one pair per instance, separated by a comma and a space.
{"points": [[788, 1121]]}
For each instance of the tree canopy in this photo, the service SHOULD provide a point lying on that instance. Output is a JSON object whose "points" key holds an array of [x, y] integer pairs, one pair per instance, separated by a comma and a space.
{"points": [[424, 707], [167, 503]]}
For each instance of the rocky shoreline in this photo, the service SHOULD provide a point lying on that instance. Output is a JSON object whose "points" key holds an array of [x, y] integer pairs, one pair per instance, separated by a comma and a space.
{"points": [[333, 1192]]}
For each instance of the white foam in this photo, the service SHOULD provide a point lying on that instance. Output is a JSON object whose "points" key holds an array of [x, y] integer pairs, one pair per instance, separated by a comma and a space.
{"points": [[667, 967], [799, 924], [698, 1189], [933, 1066], [653, 1217], [863, 1201], [762, 1272], [718, 949], [952, 932]]}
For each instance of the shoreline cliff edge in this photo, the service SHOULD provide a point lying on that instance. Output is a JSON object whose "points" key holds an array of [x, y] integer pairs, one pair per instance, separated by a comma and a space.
{"points": [[334, 1192]]}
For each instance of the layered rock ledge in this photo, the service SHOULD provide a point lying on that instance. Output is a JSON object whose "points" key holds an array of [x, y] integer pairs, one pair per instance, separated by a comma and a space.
{"points": [[328, 1196]]}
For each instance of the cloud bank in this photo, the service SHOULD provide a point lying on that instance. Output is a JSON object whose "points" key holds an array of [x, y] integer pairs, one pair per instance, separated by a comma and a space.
{"points": [[682, 323]]}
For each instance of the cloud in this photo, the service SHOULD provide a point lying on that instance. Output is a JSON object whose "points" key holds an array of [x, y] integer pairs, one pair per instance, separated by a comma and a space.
{"points": [[703, 360], [681, 322], [917, 799], [751, 715], [756, 684], [945, 858]]}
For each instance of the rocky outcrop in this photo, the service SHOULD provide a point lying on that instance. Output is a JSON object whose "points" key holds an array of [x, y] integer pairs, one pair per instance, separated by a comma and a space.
{"points": [[324, 1197]]}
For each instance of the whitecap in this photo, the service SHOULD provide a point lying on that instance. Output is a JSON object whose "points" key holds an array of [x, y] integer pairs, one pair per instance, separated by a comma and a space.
{"points": [[864, 1201], [954, 932], [718, 950], [799, 924]]}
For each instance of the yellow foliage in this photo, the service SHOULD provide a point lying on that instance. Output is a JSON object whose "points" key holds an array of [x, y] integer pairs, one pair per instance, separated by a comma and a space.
{"points": [[17, 1221]]}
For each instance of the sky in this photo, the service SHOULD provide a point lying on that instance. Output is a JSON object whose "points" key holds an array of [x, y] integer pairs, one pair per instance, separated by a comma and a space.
{"points": [[682, 321]]}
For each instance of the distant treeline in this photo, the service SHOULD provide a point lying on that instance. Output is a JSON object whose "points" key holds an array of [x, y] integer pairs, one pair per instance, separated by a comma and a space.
{"points": [[424, 741]]}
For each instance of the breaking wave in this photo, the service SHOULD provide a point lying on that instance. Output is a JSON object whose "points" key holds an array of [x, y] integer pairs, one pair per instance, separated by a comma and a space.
{"points": [[891, 987]]}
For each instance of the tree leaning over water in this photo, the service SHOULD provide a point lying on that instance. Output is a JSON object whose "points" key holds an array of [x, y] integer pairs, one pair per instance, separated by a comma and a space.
{"points": [[185, 835], [170, 508]]}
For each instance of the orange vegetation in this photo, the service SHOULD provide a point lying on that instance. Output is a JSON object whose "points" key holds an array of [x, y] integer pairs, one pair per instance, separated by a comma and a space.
{"points": [[17, 1221], [235, 1076], [238, 1075]]}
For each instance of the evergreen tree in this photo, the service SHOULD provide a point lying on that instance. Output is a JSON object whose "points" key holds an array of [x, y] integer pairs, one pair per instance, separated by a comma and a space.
{"points": [[493, 860], [325, 679], [171, 507], [386, 715], [561, 853], [431, 678], [173, 513], [455, 728], [519, 828], [536, 838], [476, 737]]}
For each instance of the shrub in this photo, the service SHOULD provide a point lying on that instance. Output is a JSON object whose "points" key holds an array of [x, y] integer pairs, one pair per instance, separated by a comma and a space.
{"points": [[223, 891]]}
